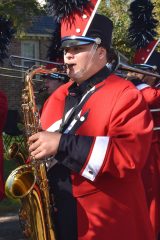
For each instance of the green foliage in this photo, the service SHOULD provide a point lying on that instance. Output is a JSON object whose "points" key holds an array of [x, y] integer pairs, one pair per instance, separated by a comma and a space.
{"points": [[20, 11], [157, 14], [118, 13], [9, 205]]}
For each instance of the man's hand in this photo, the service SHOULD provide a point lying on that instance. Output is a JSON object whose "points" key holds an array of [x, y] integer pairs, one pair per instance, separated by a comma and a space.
{"points": [[44, 144]]}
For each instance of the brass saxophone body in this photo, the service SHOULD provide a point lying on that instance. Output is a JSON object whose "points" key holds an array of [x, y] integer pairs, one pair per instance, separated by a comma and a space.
{"points": [[29, 182]]}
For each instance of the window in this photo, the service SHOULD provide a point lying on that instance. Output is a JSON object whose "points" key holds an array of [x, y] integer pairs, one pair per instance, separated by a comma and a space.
{"points": [[30, 51]]}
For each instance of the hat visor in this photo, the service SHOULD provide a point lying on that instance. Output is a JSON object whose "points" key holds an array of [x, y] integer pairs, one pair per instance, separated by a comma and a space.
{"points": [[56, 76], [76, 41]]}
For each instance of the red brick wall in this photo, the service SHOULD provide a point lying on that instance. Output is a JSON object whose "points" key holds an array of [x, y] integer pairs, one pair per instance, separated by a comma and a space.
{"points": [[12, 86]]}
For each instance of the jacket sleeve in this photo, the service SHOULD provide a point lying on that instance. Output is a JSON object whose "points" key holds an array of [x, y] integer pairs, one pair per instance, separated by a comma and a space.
{"points": [[150, 94], [123, 150]]}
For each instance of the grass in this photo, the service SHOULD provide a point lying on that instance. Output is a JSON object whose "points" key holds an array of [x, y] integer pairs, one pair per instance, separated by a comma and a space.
{"points": [[8, 206]]}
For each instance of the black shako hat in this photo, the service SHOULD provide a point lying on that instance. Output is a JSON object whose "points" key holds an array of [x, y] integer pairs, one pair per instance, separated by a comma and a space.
{"points": [[80, 24], [101, 27], [99, 32], [142, 34]]}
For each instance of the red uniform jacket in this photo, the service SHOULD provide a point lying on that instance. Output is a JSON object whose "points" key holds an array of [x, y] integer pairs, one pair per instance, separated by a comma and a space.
{"points": [[151, 172], [3, 115], [106, 180]]}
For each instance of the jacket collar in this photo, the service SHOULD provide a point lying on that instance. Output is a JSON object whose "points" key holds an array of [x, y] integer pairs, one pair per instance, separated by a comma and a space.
{"points": [[75, 89]]}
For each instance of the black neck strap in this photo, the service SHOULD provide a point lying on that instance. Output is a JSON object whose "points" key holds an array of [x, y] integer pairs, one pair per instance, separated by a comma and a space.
{"points": [[78, 95]]}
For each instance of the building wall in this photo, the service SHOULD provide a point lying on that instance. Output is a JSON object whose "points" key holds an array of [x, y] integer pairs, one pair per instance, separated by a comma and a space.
{"points": [[13, 84]]}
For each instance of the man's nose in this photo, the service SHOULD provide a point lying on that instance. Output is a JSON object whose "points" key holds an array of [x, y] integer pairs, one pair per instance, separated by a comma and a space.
{"points": [[69, 54]]}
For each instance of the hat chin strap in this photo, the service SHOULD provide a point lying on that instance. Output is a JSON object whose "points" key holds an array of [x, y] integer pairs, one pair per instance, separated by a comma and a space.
{"points": [[90, 58]]}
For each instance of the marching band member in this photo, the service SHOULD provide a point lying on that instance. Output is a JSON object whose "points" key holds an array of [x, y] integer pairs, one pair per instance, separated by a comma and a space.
{"points": [[151, 172], [96, 135], [142, 35]]}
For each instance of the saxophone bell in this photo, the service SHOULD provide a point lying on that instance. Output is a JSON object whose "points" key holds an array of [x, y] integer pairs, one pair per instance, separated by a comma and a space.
{"points": [[20, 182], [29, 182]]}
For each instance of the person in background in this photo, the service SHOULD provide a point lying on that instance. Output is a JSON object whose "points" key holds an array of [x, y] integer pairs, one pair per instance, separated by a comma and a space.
{"points": [[96, 174], [3, 116], [146, 51], [52, 84], [54, 79], [151, 172]]}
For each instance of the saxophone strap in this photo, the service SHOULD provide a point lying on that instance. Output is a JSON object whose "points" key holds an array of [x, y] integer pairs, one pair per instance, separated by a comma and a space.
{"points": [[77, 97], [74, 120]]}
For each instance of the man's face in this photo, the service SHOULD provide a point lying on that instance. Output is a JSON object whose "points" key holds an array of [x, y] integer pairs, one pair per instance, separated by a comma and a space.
{"points": [[82, 61], [52, 85]]}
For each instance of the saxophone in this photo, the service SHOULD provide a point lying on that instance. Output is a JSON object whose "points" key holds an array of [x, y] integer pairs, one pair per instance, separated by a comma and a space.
{"points": [[28, 182]]}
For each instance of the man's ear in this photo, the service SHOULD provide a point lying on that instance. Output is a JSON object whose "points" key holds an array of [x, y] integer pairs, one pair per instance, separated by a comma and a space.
{"points": [[102, 52]]}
